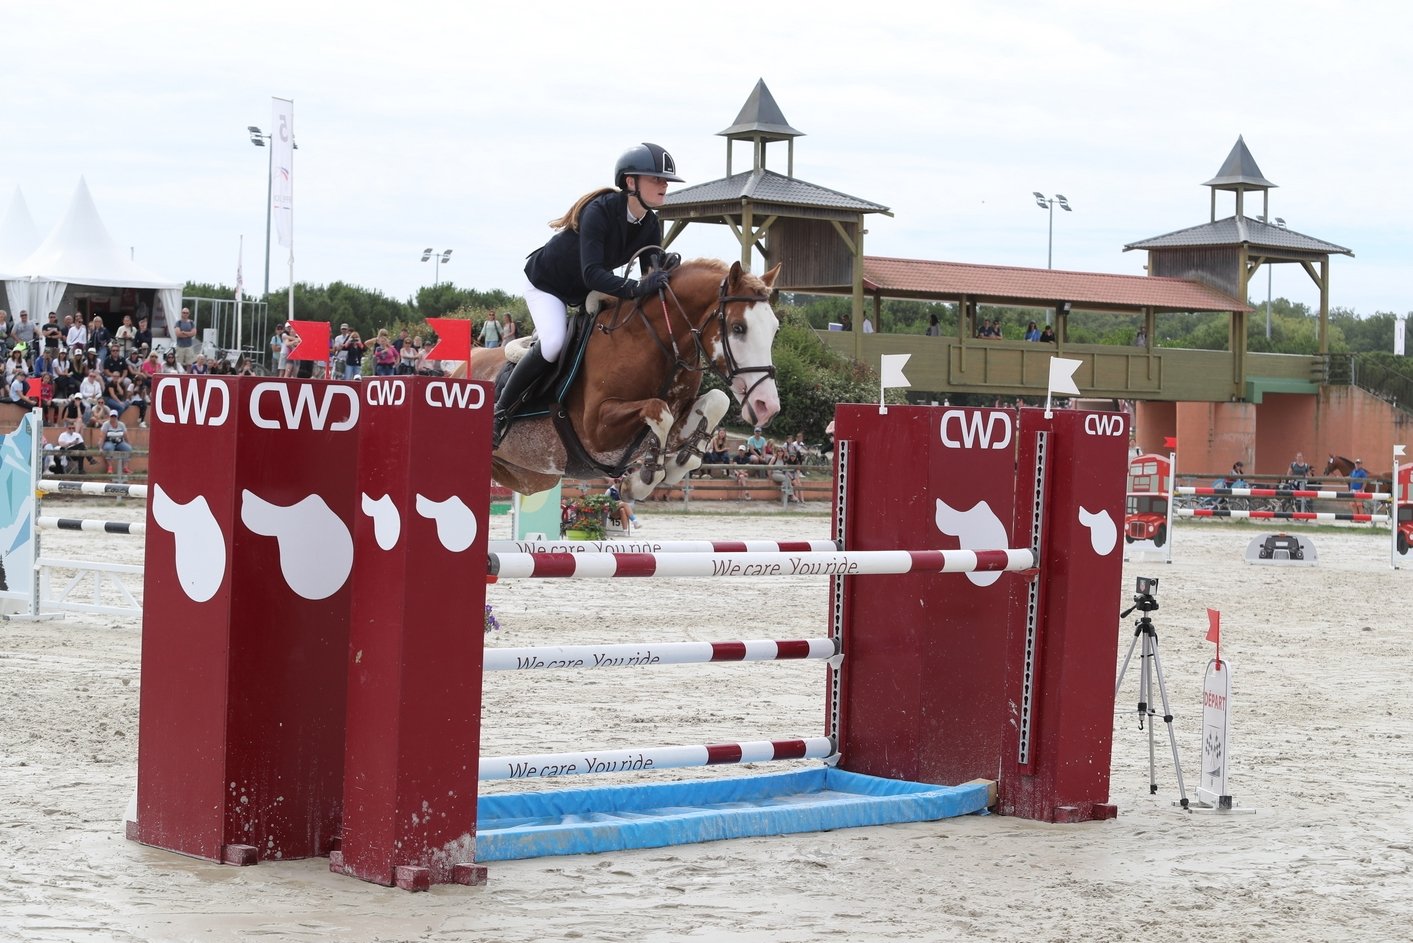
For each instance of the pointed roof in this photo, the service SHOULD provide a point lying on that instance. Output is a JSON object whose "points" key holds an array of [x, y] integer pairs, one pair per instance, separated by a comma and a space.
{"points": [[1239, 171], [18, 235], [80, 250], [765, 187], [1238, 230], [761, 117]]}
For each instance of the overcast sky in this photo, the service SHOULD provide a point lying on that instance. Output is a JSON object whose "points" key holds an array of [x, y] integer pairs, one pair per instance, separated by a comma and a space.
{"points": [[466, 127]]}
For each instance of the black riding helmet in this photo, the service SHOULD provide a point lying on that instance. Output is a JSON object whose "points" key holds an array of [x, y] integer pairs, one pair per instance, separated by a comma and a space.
{"points": [[646, 160]]}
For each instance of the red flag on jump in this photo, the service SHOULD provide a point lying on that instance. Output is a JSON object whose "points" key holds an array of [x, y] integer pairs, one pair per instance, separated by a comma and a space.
{"points": [[313, 340], [32, 386], [1170, 442], [1214, 631], [453, 339]]}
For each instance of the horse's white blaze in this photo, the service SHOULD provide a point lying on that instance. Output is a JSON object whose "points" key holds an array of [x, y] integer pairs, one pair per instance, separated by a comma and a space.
{"points": [[754, 350]]}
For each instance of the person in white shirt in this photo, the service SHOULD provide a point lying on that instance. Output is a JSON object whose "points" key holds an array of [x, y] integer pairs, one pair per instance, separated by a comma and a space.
{"points": [[78, 334]]}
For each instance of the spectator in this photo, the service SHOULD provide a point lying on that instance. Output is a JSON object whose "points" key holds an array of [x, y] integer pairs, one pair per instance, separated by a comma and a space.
{"points": [[169, 363], [115, 443], [934, 327], [755, 446], [152, 365], [622, 508], [716, 453], [140, 394], [99, 338], [1299, 479], [91, 390], [52, 335], [185, 331], [847, 321], [19, 392], [71, 439], [867, 325], [490, 331], [1047, 336], [743, 459], [50, 408], [1141, 338], [143, 337], [782, 472], [77, 336], [200, 367], [279, 352], [115, 393], [353, 350], [384, 354], [1032, 332], [508, 329], [407, 354], [338, 350], [1358, 479], [124, 340], [15, 364], [23, 331]]}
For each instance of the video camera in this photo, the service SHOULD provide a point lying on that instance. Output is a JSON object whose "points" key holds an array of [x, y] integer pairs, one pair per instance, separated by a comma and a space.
{"points": [[1145, 588]]}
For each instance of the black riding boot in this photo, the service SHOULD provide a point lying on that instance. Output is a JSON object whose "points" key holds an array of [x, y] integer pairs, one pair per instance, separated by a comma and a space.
{"points": [[526, 373]]}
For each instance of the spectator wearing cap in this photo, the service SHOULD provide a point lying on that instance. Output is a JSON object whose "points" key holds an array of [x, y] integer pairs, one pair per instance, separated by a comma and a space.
{"points": [[185, 330], [1358, 480], [755, 446], [742, 459], [338, 353], [24, 332]]}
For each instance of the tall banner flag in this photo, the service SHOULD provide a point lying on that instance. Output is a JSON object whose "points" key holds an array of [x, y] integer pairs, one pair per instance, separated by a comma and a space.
{"points": [[240, 272], [282, 171]]}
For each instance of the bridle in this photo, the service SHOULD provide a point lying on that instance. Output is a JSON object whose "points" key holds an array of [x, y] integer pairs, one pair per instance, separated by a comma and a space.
{"points": [[732, 368]]}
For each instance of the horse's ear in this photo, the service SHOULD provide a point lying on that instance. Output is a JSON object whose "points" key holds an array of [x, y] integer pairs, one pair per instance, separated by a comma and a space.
{"points": [[734, 277], [769, 277]]}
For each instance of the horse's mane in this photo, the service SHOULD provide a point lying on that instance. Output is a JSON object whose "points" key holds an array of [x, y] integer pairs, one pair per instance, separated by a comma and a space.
{"points": [[720, 268]]}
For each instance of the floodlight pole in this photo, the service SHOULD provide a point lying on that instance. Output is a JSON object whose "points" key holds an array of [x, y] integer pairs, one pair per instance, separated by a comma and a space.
{"points": [[1048, 204], [437, 257]]}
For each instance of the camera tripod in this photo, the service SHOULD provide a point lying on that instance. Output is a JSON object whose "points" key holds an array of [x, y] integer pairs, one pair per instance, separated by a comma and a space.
{"points": [[1150, 661]]}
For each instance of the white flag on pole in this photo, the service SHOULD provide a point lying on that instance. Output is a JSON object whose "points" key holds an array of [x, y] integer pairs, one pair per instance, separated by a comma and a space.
{"points": [[282, 170], [890, 374], [1061, 380], [1062, 376], [1400, 326], [240, 272]]}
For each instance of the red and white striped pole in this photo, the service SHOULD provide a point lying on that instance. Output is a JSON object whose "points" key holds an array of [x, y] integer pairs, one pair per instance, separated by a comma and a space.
{"points": [[574, 657], [663, 546], [638, 759], [838, 563], [1283, 515]]}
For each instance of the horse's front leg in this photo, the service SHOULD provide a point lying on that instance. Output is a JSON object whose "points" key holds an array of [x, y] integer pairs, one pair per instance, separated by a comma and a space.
{"points": [[692, 433], [655, 414]]}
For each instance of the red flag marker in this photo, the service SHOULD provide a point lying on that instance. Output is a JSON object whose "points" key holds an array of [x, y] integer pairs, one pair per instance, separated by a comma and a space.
{"points": [[313, 340], [1214, 633], [1170, 442], [32, 387], [453, 339]]}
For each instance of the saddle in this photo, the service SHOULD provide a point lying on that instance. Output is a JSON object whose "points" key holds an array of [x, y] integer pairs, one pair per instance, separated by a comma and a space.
{"points": [[547, 396]]}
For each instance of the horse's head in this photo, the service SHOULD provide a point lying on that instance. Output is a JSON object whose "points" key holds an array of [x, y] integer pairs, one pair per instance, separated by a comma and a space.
{"points": [[1337, 465], [740, 345]]}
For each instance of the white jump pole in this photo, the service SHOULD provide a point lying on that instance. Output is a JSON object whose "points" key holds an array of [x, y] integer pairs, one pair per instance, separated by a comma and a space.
{"points": [[660, 653], [638, 759]]}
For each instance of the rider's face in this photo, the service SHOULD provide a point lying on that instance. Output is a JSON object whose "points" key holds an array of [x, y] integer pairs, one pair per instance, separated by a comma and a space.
{"points": [[651, 191]]}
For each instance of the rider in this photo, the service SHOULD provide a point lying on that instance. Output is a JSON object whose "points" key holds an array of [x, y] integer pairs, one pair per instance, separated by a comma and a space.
{"points": [[601, 231]]}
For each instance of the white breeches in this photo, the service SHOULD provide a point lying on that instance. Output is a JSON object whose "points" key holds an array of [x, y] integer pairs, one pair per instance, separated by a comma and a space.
{"points": [[551, 317]]}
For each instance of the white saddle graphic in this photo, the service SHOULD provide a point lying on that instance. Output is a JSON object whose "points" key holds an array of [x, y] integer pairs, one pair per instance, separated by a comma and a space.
{"points": [[316, 549], [977, 529], [456, 523], [387, 522], [200, 545], [1103, 533]]}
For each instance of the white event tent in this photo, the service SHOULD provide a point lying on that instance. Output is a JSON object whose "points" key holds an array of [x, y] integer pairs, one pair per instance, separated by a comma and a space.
{"points": [[18, 238], [79, 255]]}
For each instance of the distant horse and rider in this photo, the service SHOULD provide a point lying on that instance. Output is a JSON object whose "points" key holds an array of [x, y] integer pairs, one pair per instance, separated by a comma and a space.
{"points": [[1360, 481]]}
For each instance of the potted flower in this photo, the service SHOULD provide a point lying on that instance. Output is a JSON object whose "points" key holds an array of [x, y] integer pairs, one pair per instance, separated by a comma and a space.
{"points": [[586, 517]]}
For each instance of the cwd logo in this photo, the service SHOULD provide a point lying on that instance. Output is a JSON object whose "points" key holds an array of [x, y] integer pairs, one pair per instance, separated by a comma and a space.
{"points": [[962, 429], [192, 401], [1104, 424], [385, 392], [312, 401], [455, 395]]}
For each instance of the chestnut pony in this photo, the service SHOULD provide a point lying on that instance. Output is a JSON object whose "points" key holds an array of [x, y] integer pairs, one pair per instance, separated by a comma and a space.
{"points": [[635, 400]]}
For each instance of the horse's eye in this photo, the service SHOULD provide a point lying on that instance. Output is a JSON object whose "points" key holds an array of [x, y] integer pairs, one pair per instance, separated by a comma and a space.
{"points": [[738, 328]]}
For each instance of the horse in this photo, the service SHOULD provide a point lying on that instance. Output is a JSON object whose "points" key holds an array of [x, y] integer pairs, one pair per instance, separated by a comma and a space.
{"points": [[1341, 465], [636, 397]]}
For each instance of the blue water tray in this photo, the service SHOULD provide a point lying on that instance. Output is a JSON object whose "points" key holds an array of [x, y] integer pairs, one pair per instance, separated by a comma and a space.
{"points": [[656, 815]]}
